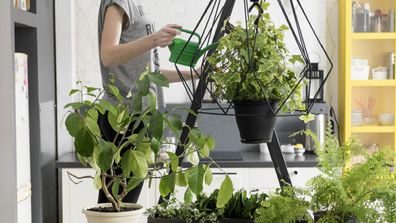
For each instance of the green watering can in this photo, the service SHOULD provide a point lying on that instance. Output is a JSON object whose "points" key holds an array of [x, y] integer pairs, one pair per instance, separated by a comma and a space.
{"points": [[188, 53]]}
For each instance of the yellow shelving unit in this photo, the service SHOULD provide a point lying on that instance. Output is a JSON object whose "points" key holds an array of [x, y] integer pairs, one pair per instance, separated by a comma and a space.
{"points": [[372, 47]]}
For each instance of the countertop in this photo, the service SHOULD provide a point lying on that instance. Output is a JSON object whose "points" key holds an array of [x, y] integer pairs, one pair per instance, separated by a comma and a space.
{"points": [[249, 159]]}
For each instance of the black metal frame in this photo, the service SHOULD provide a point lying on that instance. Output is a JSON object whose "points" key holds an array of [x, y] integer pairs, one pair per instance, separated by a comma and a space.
{"points": [[197, 95]]}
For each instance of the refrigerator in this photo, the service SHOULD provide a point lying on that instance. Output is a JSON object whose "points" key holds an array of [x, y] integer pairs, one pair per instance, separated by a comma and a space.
{"points": [[24, 191]]}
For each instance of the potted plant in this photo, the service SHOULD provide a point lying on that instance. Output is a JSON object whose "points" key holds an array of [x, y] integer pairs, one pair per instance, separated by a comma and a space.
{"points": [[120, 167], [239, 209], [255, 75], [287, 205], [364, 192]]}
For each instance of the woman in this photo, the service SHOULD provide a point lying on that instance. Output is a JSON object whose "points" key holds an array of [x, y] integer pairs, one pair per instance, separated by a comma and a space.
{"points": [[127, 44]]}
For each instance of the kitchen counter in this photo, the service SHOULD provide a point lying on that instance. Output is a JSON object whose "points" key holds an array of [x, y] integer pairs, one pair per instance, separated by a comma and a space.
{"points": [[247, 160]]}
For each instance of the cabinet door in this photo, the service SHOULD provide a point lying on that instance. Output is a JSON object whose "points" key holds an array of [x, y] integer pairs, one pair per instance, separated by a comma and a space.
{"points": [[77, 196], [266, 180], [239, 177]]}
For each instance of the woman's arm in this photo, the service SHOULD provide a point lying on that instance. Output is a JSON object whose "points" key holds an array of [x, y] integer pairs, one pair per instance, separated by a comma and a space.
{"points": [[173, 75], [113, 53]]}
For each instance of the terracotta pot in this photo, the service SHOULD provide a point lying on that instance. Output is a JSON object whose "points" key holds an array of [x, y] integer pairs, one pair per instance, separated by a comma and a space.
{"points": [[134, 216]]}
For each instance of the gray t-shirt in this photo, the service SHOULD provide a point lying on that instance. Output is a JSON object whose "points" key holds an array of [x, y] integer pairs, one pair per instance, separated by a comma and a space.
{"points": [[138, 26]]}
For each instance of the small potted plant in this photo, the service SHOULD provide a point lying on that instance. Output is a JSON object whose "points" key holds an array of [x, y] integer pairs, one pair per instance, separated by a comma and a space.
{"points": [[286, 205], [364, 192], [120, 167], [256, 75], [239, 209]]}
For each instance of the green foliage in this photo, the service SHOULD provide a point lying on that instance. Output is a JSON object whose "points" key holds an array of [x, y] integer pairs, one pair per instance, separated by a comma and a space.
{"points": [[287, 205], [364, 191], [265, 72], [137, 155], [205, 209]]}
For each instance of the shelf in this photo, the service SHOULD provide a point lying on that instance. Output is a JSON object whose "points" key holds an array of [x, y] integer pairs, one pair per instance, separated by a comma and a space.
{"points": [[23, 19], [373, 36], [373, 129], [373, 83]]}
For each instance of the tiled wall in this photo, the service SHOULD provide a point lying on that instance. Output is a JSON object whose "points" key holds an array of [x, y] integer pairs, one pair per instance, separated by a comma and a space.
{"points": [[323, 15]]}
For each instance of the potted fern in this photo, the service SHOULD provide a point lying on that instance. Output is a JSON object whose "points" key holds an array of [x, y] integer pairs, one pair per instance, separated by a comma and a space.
{"points": [[121, 167], [285, 205], [255, 75], [364, 192]]}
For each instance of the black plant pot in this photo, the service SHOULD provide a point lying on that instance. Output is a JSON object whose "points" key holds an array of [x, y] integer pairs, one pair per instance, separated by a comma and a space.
{"points": [[173, 220], [256, 121]]}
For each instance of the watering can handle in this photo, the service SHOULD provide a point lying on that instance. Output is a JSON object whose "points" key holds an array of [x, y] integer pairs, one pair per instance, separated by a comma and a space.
{"points": [[190, 32]]}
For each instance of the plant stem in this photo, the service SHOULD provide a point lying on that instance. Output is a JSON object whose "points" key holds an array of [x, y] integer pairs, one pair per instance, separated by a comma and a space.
{"points": [[109, 197]]}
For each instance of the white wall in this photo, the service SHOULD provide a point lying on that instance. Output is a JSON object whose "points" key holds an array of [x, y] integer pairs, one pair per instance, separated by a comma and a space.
{"points": [[323, 15]]}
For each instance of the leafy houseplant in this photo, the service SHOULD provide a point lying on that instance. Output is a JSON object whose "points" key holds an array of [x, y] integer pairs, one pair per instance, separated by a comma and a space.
{"points": [[240, 208], [249, 72], [285, 206], [121, 167], [363, 193]]}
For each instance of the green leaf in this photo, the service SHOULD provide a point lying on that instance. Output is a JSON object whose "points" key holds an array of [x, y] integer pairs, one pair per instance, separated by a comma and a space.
{"points": [[158, 79], [115, 188], [74, 123], [144, 86], [188, 196], [84, 143], [176, 121], [98, 181], [225, 192], [75, 105], [93, 126], [133, 183], [208, 175], [137, 102], [100, 108], [135, 162], [155, 145], [103, 155], [90, 89], [167, 184], [73, 91], [156, 127], [307, 118], [116, 92], [109, 107], [181, 179], [152, 100], [174, 161], [93, 114], [195, 179]]}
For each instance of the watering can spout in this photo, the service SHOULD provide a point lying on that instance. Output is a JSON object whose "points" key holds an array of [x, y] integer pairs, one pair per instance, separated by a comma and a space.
{"points": [[210, 47]]}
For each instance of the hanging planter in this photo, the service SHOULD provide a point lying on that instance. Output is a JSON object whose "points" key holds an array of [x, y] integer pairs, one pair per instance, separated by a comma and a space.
{"points": [[252, 69], [255, 120]]}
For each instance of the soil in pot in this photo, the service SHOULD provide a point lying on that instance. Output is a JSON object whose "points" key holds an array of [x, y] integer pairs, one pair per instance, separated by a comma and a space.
{"points": [[256, 121], [111, 209]]}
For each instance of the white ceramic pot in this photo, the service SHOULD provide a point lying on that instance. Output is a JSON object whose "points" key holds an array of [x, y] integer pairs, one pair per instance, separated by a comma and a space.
{"points": [[114, 217]]}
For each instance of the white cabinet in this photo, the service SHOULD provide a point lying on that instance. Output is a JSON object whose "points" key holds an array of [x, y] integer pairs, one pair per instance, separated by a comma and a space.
{"points": [[77, 196], [266, 180], [239, 177]]}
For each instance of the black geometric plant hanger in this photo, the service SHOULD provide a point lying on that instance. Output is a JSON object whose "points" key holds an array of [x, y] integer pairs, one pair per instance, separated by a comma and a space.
{"points": [[214, 23]]}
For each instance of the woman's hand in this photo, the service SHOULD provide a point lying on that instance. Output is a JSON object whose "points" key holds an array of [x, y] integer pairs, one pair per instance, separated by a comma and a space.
{"points": [[165, 36]]}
